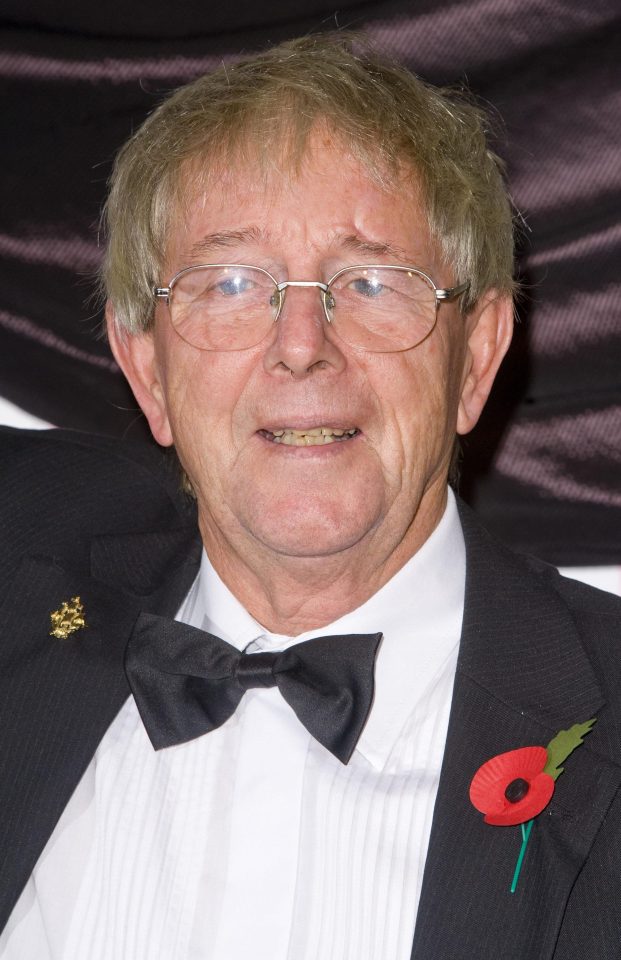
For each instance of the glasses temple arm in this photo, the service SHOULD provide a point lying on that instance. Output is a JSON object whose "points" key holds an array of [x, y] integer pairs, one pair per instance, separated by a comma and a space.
{"points": [[444, 295]]}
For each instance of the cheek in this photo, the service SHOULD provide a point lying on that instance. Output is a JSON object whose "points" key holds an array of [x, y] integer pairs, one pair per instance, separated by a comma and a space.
{"points": [[204, 395], [181, 383], [420, 407]]}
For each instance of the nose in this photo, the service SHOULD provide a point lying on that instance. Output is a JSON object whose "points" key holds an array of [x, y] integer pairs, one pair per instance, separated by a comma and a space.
{"points": [[302, 342]]}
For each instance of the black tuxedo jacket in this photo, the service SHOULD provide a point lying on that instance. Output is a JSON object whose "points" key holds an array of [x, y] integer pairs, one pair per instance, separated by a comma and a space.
{"points": [[91, 517]]}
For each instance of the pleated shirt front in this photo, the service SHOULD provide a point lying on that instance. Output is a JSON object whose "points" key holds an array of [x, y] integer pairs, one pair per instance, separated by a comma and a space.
{"points": [[253, 840]]}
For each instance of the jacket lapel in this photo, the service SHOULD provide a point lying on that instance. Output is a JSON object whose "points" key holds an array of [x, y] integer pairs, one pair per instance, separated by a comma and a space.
{"points": [[59, 696], [522, 676]]}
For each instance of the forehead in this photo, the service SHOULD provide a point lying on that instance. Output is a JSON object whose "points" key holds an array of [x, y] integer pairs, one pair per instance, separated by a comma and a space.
{"points": [[327, 204]]}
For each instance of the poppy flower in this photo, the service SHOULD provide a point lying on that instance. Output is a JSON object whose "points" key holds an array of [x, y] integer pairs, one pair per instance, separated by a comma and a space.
{"points": [[512, 788]]}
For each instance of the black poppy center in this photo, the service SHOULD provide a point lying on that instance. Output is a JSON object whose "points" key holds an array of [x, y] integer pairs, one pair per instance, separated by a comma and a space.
{"points": [[517, 790]]}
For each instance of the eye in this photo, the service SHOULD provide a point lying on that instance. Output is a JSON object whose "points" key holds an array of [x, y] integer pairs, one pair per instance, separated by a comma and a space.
{"points": [[368, 287], [234, 286]]}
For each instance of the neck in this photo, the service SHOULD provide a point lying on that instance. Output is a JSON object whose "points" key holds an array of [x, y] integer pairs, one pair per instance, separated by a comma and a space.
{"points": [[290, 595]]}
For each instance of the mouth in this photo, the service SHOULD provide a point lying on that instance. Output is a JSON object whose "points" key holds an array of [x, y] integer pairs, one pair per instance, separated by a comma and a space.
{"points": [[312, 437]]}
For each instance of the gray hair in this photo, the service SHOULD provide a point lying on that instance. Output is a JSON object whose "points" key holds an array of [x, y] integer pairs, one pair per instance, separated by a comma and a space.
{"points": [[389, 118]]}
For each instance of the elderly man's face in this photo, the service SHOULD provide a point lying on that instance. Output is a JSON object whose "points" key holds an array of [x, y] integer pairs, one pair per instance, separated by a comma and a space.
{"points": [[381, 487]]}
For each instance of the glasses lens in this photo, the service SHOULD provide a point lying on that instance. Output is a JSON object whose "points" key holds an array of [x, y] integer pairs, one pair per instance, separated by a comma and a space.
{"points": [[382, 308], [228, 307]]}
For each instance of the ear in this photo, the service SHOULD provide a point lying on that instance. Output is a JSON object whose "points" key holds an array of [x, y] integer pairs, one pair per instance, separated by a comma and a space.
{"points": [[136, 356], [490, 327]]}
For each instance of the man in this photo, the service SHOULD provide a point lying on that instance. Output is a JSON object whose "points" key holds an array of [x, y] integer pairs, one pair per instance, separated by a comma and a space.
{"points": [[309, 282]]}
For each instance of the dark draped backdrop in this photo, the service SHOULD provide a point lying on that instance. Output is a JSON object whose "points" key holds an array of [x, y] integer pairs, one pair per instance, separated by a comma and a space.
{"points": [[543, 466]]}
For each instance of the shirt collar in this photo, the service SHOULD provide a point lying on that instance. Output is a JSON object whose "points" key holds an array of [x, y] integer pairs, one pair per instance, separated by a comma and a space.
{"points": [[419, 612]]}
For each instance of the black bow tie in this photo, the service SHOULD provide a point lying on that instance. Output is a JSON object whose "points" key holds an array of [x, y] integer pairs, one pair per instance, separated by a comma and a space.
{"points": [[187, 682]]}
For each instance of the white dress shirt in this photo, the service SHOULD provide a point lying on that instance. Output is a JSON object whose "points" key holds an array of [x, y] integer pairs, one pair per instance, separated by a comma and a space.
{"points": [[253, 840]]}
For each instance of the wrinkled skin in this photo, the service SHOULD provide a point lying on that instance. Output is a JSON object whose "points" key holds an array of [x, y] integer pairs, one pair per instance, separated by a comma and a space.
{"points": [[303, 534]]}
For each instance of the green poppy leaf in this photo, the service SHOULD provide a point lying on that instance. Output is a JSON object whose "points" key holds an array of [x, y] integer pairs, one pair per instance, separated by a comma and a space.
{"points": [[564, 743]]}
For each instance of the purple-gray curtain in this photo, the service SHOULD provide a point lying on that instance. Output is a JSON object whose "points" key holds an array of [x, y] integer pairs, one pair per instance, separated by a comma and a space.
{"points": [[543, 467]]}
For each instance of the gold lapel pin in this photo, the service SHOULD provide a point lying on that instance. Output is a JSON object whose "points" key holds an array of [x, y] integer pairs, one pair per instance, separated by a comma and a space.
{"points": [[68, 619]]}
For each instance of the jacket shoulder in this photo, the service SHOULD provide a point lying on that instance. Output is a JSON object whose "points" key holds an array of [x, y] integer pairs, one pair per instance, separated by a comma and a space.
{"points": [[60, 488], [582, 599], [85, 449], [486, 549]]}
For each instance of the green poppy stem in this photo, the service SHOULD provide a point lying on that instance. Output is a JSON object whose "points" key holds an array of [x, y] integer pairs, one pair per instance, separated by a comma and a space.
{"points": [[526, 828]]}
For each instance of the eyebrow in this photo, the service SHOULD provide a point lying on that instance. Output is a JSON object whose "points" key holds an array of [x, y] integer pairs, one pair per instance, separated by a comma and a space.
{"points": [[222, 239], [368, 247]]}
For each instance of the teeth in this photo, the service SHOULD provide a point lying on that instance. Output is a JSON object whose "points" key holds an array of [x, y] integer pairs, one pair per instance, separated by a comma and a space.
{"points": [[314, 436]]}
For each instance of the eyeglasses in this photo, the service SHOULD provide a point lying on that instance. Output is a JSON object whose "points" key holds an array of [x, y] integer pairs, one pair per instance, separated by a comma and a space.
{"points": [[376, 307]]}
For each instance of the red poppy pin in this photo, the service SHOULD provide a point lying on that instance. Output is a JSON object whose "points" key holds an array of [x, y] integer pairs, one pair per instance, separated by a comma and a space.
{"points": [[513, 788]]}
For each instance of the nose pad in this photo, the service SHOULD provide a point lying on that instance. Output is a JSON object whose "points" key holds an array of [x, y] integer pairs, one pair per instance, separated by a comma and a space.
{"points": [[276, 301], [308, 303], [299, 344]]}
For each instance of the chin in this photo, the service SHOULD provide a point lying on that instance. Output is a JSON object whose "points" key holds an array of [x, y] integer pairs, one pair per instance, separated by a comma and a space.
{"points": [[307, 537]]}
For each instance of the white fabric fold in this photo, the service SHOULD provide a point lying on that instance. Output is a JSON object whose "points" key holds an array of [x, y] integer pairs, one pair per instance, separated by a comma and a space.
{"points": [[254, 840]]}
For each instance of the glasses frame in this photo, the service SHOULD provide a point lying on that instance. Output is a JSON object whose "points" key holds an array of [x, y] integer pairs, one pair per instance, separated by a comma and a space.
{"points": [[442, 294]]}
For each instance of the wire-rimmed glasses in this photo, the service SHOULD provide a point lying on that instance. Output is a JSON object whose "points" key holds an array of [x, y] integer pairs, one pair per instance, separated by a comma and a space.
{"points": [[376, 307]]}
